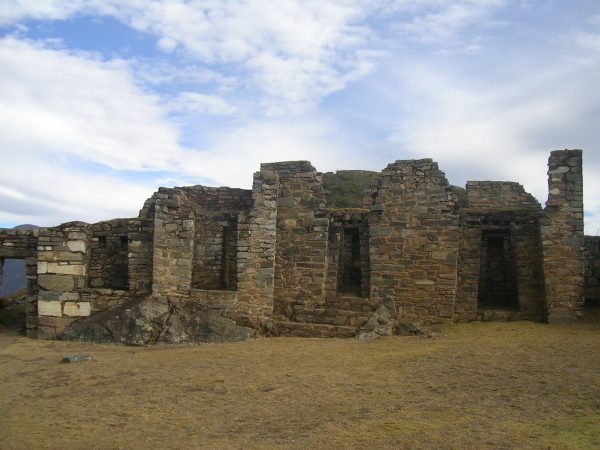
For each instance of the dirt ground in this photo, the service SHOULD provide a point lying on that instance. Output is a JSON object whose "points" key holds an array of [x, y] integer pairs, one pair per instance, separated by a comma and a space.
{"points": [[480, 385]]}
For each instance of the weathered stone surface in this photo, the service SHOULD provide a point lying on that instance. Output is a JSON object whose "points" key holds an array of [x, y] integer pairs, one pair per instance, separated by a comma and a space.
{"points": [[77, 309], [56, 282], [408, 329], [381, 323], [563, 239], [76, 358], [66, 269], [153, 320], [50, 308], [208, 264], [59, 296], [77, 246]]}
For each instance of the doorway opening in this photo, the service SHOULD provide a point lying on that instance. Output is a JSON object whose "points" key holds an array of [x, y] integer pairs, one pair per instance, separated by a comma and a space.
{"points": [[498, 275]]}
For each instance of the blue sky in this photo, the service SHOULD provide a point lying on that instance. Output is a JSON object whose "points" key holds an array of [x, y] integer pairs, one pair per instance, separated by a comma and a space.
{"points": [[102, 101]]}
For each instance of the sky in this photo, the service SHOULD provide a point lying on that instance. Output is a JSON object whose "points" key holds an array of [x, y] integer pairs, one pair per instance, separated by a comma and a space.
{"points": [[103, 101]]}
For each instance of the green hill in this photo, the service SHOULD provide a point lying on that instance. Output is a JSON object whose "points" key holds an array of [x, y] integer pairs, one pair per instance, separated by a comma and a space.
{"points": [[346, 187]]}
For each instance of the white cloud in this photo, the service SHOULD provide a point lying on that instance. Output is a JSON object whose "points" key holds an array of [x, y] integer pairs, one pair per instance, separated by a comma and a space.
{"points": [[295, 52], [70, 125], [61, 114], [309, 45], [167, 45], [589, 41], [195, 102], [80, 107], [46, 192], [505, 129]]}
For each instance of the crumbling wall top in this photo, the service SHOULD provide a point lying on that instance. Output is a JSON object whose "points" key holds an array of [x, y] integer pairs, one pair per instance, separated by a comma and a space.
{"points": [[498, 195]]}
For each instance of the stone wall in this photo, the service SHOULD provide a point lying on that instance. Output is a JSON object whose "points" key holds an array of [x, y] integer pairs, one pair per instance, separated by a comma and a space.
{"points": [[302, 239], [257, 236], [109, 250], [562, 237], [216, 216], [500, 210], [413, 246], [211, 264], [141, 249], [592, 271], [63, 261], [173, 242]]}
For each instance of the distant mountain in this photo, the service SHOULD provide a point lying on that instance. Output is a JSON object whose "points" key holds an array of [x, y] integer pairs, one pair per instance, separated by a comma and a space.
{"points": [[13, 272]]}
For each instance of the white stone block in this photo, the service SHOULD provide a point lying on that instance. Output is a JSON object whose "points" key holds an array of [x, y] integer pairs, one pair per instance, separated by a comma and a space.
{"points": [[42, 267], [66, 269], [77, 246], [49, 308], [562, 169], [77, 309]]}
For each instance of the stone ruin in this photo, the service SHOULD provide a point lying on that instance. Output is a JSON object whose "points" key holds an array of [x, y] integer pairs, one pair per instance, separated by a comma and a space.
{"points": [[204, 264]]}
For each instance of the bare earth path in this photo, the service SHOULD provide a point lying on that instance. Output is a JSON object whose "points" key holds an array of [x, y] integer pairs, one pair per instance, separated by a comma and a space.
{"points": [[509, 385]]}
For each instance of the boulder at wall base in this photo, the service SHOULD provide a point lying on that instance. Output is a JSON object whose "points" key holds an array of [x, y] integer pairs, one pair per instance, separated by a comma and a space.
{"points": [[153, 320], [381, 323]]}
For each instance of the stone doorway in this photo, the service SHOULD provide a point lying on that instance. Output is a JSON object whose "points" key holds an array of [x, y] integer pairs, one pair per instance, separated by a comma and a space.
{"points": [[498, 275], [12, 275]]}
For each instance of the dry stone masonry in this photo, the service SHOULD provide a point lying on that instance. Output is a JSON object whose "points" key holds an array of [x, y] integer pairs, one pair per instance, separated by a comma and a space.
{"points": [[203, 264]]}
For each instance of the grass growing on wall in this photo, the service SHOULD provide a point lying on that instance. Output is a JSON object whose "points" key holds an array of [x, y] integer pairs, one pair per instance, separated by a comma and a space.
{"points": [[346, 187]]}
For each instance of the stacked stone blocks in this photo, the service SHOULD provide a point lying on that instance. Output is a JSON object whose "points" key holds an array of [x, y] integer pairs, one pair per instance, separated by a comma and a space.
{"points": [[276, 260]]}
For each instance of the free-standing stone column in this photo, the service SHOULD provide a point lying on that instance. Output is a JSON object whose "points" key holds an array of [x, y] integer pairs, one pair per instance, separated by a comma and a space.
{"points": [[562, 237]]}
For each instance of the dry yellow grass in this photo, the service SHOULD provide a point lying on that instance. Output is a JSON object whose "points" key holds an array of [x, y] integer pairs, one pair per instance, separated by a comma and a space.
{"points": [[511, 385]]}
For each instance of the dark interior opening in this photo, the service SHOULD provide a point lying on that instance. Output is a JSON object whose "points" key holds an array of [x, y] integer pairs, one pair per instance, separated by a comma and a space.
{"points": [[13, 293], [13, 277], [350, 264], [229, 267], [592, 302], [497, 278], [215, 258], [109, 265]]}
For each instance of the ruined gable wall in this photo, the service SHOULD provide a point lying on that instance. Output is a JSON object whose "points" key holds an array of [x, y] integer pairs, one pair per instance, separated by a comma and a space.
{"points": [[500, 207], [562, 237], [414, 241]]}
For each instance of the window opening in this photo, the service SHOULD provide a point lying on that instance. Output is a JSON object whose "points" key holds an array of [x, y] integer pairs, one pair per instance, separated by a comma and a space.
{"points": [[350, 264]]}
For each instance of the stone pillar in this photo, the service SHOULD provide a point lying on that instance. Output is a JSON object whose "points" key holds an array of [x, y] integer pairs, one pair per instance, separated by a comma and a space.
{"points": [[62, 267], [141, 249], [302, 239], [562, 237], [1, 272], [256, 250], [173, 243]]}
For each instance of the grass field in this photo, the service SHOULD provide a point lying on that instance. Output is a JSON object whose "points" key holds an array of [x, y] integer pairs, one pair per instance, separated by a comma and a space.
{"points": [[480, 385]]}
